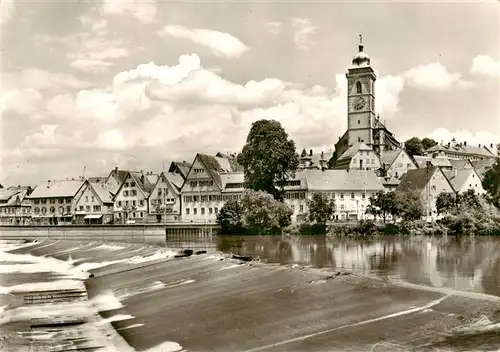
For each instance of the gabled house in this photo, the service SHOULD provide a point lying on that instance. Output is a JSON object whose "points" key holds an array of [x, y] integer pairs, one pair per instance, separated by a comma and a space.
{"points": [[15, 208], [131, 198], [395, 163], [115, 179], [428, 182], [164, 200], [202, 189], [438, 159], [53, 202], [94, 204], [312, 160], [359, 156], [464, 179], [180, 168]]}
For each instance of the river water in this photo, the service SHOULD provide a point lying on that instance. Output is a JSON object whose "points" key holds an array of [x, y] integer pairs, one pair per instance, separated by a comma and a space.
{"points": [[466, 264]]}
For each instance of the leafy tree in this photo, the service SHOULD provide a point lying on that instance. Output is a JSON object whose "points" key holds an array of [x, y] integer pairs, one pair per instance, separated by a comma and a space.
{"points": [[263, 215], [413, 146], [491, 181], [269, 158], [230, 217], [321, 210], [469, 200], [409, 206], [446, 202], [383, 204], [428, 143]]}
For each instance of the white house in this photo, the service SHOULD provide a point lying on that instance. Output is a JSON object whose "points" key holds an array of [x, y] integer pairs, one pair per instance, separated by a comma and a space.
{"points": [[164, 200], [94, 204], [464, 180], [53, 202], [396, 163], [15, 208], [131, 198], [359, 156], [428, 182]]}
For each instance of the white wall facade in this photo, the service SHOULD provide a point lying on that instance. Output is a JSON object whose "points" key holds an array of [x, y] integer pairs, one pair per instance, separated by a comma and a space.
{"points": [[130, 203]]}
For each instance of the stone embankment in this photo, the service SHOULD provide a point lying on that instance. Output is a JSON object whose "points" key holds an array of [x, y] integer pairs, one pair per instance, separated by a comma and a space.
{"points": [[210, 302]]}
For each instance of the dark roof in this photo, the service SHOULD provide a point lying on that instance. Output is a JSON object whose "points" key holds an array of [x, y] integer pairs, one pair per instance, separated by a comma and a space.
{"points": [[182, 167], [216, 165], [461, 148], [416, 180], [97, 179]]}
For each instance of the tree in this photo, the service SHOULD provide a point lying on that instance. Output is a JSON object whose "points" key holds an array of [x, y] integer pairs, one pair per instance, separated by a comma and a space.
{"points": [[321, 210], [230, 217], [428, 143], [491, 181], [413, 146], [446, 203], [268, 158], [383, 204], [409, 206], [264, 215]]}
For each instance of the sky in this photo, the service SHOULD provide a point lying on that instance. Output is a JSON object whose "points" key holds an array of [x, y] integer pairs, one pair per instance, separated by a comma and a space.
{"points": [[90, 85]]}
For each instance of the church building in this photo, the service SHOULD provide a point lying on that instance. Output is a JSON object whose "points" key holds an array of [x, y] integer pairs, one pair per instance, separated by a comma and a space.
{"points": [[364, 127]]}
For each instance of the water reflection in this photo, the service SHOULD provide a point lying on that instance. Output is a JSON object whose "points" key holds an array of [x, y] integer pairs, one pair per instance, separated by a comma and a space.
{"points": [[469, 264]]}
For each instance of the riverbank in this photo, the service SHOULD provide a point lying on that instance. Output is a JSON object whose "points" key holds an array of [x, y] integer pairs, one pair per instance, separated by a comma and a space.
{"points": [[211, 302]]}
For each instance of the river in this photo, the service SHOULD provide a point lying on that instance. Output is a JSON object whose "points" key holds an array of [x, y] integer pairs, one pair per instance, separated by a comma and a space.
{"points": [[465, 264]]}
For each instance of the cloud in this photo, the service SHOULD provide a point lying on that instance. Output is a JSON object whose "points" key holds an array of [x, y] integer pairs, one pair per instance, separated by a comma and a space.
{"points": [[112, 140], [434, 76], [486, 66], [304, 29], [38, 80], [221, 44], [21, 101], [6, 9], [485, 138], [273, 27], [144, 11]]}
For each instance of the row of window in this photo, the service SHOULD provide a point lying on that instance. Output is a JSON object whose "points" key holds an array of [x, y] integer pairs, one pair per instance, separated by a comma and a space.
{"points": [[95, 208], [132, 193], [87, 199], [127, 203], [131, 184], [52, 210], [202, 211], [295, 195], [160, 201], [331, 195], [211, 198], [132, 215], [24, 210], [202, 183], [52, 200]]}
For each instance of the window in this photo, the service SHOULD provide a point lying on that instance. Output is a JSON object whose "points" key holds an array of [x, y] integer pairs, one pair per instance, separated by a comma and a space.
{"points": [[195, 198], [433, 187], [36, 201], [363, 195], [141, 214], [292, 207], [133, 215], [68, 209], [68, 200], [120, 203], [141, 203], [52, 210], [333, 195], [126, 184], [359, 139], [92, 199], [60, 201], [97, 208], [81, 208], [37, 210], [352, 195], [61, 210], [202, 211], [44, 210], [187, 211], [159, 192], [358, 88], [193, 183], [87, 208], [216, 210], [198, 171], [341, 195], [125, 193], [86, 199], [204, 198], [359, 122], [210, 210], [342, 206], [133, 192], [195, 211], [396, 174], [301, 208], [52, 201], [134, 203], [132, 184]]}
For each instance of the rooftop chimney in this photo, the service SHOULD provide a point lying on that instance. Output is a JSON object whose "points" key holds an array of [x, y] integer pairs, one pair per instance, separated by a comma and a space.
{"points": [[491, 145], [310, 152], [449, 144], [116, 168], [480, 145], [465, 144]]}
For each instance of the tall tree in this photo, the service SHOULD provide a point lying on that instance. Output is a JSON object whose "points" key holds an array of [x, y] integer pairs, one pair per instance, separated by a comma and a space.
{"points": [[321, 210], [491, 182], [413, 146], [269, 158], [428, 143], [383, 204]]}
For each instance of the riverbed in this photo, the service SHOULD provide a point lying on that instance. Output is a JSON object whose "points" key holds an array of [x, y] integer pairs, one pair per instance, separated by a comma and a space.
{"points": [[303, 294]]}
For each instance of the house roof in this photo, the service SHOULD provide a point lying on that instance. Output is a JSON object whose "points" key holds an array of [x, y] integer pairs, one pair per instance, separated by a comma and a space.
{"points": [[416, 180], [388, 157], [216, 165], [390, 181], [62, 188], [182, 166], [175, 179], [457, 178], [461, 164], [482, 166], [235, 178], [102, 192], [342, 180], [440, 161], [97, 179], [13, 196], [462, 149], [352, 151]]}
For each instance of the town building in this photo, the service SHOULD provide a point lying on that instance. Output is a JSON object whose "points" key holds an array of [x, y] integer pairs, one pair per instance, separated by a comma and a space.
{"points": [[15, 208], [53, 202], [94, 204], [463, 177], [180, 168], [462, 150], [427, 182], [395, 163], [363, 124], [310, 160], [115, 179], [358, 157], [131, 197], [164, 200]]}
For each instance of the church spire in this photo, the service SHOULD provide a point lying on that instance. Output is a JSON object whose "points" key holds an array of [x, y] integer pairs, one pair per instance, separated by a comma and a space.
{"points": [[361, 58]]}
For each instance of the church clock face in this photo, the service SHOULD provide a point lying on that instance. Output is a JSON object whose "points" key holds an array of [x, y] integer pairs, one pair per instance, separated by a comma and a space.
{"points": [[359, 103]]}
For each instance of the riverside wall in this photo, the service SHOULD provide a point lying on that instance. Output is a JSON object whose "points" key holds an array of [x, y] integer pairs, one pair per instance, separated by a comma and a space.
{"points": [[153, 234]]}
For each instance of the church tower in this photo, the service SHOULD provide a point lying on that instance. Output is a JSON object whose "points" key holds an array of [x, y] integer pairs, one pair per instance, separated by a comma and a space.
{"points": [[361, 118]]}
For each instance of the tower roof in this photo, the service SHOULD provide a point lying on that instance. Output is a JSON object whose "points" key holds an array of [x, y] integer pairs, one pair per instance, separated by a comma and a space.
{"points": [[361, 58]]}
